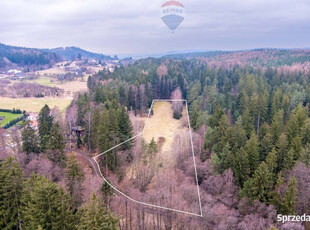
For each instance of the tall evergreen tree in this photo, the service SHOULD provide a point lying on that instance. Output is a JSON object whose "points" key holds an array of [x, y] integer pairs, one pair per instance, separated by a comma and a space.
{"points": [[94, 215], [196, 116], [282, 149], [277, 126], [259, 187], [247, 121], [56, 145], [252, 149], [271, 162], [45, 125], [46, 205], [289, 199], [125, 127], [74, 180], [222, 157], [30, 140], [11, 189], [240, 166], [285, 204], [305, 155], [95, 118]]}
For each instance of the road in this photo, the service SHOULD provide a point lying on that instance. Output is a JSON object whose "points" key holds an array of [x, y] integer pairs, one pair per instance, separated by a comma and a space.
{"points": [[89, 159]]}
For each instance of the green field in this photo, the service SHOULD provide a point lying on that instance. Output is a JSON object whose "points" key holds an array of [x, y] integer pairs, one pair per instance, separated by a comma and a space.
{"points": [[46, 81], [8, 117]]}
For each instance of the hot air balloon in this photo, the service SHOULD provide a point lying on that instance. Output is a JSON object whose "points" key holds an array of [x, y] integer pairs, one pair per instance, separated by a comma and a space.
{"points": [[172, 14]]}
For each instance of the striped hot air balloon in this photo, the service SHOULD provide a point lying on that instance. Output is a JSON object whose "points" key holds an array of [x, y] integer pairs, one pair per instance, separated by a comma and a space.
{"points": [[172, 14]]}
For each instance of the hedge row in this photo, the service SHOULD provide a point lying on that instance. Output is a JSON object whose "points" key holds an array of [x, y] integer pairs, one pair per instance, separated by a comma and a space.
{"points": [[14, 111]]}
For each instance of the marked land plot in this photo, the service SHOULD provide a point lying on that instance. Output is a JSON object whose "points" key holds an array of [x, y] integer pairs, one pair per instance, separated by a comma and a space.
{"points": [[149, 168]]}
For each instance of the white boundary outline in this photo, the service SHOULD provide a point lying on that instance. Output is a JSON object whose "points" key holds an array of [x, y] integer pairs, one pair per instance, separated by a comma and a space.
{"points": [[139, 134]]}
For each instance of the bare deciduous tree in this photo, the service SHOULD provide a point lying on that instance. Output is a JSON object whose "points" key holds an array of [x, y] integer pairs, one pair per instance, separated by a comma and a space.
{"points": [[177, 106], [71, 118]]}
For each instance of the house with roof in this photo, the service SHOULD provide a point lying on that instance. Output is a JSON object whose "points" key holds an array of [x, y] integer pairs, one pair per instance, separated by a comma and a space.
{"points": [[14, 71], [19, 76], [33, 116], [33, 120]]}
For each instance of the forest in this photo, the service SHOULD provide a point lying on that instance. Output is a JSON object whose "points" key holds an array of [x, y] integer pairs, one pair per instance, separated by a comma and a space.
{"points": [[250, 132]]}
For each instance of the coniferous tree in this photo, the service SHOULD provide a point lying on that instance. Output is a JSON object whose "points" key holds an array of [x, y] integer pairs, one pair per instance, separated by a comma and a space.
{"points": [[196, 116], [103, 132], [108, 132], [214, 120], [296, 147], [305, 155], [122, 96], [56, 145], [240, 166], [125, 127], [107, 192], [95, 118], [46, 205], [114, 137], [45, 125], [285, 204], [237, 137], [276, 126], [296, 122], [271, 162], [152, 148], [266, 145], [247, 122], [11, 189], [305, 132], [243, 101], [252, 149], [30, 140], [288, 159], [74, 180], [222, 157], [289, 199], [131, 100], [282, 149], [94, 215], [259, 187]]}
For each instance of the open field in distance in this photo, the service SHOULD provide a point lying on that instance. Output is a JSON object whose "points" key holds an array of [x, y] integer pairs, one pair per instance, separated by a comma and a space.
{"points": [[34, 104]]}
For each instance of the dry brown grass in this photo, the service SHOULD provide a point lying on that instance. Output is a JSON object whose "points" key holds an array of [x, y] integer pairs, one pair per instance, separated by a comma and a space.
{"points": [[73, 86], [164, 128], [34, 104]]}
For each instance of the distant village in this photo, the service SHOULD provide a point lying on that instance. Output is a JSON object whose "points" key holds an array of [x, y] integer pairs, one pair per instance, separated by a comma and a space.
{"points": [[77, 68]]}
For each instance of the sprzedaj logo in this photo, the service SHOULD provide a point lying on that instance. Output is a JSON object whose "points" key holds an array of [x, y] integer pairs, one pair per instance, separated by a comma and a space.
{"points": [[293, 218]]}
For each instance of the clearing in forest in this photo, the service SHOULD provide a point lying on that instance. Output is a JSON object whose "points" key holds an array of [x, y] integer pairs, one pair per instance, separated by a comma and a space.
{"points": [[159, 169], [165, 129]]}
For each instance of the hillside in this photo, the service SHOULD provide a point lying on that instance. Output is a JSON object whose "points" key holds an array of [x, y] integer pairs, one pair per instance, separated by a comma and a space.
{"points": [[71, 53], [13, 56], [256, 57], [196, 54]]}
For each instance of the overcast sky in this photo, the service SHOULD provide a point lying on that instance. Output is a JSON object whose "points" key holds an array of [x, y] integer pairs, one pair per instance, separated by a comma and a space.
{"points": [[135, 27]]}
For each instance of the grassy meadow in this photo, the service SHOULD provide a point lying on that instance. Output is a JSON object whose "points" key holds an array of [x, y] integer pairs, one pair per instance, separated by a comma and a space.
{"points": [[34, 104], [8, 117]]}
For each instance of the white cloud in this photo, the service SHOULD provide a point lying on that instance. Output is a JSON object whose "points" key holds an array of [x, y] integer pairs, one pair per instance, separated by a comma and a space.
{"points": [[135, 26]]}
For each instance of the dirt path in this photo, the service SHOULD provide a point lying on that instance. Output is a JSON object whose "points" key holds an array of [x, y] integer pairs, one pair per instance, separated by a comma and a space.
{"points": [[91, 161]]}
